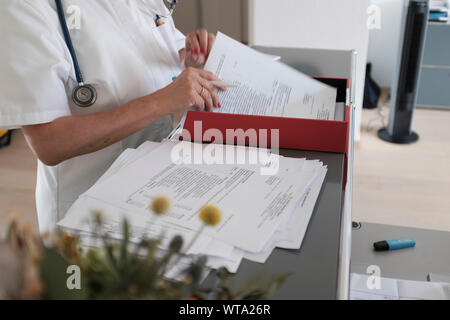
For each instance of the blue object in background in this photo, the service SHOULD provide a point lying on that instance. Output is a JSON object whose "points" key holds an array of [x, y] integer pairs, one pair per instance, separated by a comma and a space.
{"points": [[394, 244]]}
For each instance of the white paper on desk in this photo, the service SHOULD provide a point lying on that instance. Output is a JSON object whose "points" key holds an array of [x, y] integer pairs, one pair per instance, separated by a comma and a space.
{"points": [[291, 235], [295, 229], [247, 226], [360, 290], [266, 87], [422, 290], [127, 157], [397, 289]]}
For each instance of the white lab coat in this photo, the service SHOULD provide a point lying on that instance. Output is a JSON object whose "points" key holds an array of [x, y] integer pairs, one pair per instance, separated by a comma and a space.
{"points": [[120, 51]]}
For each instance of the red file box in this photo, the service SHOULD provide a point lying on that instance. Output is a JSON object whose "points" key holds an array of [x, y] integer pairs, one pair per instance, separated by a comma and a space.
{"points": [[294, 133]]}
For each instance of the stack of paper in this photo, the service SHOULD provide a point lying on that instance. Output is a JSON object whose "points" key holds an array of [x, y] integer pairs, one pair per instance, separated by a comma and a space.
{"points": [[266, 199]]}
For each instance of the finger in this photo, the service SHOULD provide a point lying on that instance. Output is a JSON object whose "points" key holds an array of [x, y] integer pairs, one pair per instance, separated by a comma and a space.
{"points": [[203, 93], [192, 46], [199, 101], [211, 40], [202, 35], [208, 75], [188, 43], [200, 60], [221, 88], [212, 92], [206, 96]]}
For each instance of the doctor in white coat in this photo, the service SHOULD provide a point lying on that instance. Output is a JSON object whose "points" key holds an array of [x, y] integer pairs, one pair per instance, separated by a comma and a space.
{"points": [[129, 53]]}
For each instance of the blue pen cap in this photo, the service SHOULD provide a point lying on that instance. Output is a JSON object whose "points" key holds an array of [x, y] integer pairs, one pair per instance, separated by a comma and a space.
{"points": [[400, 243]]}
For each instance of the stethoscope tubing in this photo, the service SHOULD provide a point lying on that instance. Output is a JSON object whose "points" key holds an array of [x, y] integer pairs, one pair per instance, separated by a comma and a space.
{"points": [[68, 39]]}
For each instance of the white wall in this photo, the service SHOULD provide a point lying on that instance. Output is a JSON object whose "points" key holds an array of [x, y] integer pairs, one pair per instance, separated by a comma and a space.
{"points": [[384, 42], [327, 24]]}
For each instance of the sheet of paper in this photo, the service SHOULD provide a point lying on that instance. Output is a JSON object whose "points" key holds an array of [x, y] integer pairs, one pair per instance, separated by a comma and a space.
{"points": [[397, 289], [127, 157], [422, 290], [360, 290], [266, 87], [291, 235], [295, 228]]}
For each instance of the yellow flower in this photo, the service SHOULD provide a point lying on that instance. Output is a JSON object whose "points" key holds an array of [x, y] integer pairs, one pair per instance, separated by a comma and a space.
{"points": [[210, 215], [160, 205]]}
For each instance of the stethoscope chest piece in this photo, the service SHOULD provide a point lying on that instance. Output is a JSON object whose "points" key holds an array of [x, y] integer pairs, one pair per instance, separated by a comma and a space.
{"points": [[84, 95]]}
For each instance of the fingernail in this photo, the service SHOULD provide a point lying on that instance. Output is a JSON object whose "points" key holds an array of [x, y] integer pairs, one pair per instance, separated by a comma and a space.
{"points": [[204, 51], [197, 50], [220, 106]]}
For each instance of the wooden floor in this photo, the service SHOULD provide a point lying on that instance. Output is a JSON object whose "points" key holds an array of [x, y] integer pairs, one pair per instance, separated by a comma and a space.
{"points": [[17, 182], [393, 184], [407, 185]]}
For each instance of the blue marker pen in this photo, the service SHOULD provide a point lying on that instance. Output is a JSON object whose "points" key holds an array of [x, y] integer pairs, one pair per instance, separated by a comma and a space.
{"points": [[394, 244]]}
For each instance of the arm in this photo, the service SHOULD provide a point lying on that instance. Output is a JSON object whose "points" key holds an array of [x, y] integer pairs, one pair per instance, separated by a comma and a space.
{"points": [[72, 136]]}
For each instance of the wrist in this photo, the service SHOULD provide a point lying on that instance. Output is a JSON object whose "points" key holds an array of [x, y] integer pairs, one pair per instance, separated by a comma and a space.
{"points": [[156, 105], [146, 110]]}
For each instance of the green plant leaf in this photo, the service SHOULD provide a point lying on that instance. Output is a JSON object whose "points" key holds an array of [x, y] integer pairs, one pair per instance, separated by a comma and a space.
{"points": [[123, 257]]}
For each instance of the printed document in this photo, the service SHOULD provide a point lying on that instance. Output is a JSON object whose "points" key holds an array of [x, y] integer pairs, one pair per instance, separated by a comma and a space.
{"points": [[266, 87]]}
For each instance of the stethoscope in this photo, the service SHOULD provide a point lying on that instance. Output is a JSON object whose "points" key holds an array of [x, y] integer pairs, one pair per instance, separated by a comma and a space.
{"points": [[85, 95]]}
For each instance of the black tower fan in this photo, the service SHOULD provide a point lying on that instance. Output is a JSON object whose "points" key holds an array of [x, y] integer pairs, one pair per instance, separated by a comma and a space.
{"points": [[406, 76]]}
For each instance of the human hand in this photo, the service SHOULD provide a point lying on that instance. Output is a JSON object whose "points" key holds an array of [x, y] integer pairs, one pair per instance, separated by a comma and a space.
{"points": [[198, 48], [192, 88]]}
